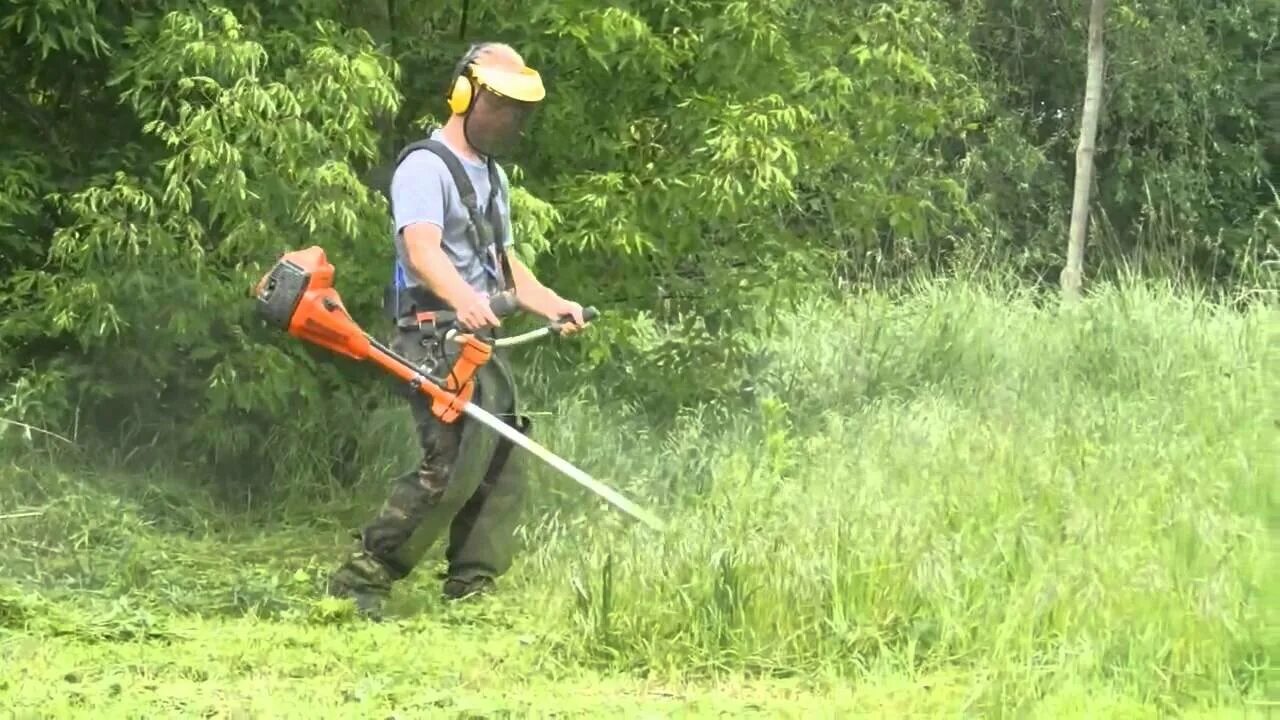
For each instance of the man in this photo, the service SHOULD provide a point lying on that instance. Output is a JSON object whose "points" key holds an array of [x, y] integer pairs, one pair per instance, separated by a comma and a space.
{"points": [[452, 235]]}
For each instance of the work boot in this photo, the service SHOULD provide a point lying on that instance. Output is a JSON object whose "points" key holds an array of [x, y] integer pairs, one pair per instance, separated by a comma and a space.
{"points": [[457, 588], [365, 581]]}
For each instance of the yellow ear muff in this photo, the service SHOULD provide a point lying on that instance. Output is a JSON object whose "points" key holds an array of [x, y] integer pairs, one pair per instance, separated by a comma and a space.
{"points": [[460, 98]]}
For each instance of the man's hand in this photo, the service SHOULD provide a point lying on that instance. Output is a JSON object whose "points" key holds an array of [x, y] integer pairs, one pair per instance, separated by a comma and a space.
{"points": [[558, 308], [474, 312]]}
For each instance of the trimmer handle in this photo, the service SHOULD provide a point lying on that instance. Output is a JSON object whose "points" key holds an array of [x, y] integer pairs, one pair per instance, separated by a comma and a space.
{"points": [[504, 304], [589, 314]]}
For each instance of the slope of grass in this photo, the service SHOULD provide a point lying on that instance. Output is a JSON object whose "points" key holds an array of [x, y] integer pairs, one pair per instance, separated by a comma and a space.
{"points": [[957, 501]]}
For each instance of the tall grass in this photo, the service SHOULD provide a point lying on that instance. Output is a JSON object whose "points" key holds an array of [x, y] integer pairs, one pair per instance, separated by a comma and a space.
{"points": [[959, 478], [1054, 504]]}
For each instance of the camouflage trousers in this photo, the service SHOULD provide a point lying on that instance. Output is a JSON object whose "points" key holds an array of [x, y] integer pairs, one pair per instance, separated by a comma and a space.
{"points": [[467, 486]]}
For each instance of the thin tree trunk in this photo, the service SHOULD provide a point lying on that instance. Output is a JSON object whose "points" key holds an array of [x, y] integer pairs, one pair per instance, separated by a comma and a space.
{"points": [[1073, 273]]}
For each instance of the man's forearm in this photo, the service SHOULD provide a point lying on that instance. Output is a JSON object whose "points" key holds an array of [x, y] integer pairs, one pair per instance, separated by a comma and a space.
{"points": [[432, 266], [532, 294]]}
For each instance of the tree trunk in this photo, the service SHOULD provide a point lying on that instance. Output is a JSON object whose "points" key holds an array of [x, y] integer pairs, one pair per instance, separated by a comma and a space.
{"points": [[1073, 273]]}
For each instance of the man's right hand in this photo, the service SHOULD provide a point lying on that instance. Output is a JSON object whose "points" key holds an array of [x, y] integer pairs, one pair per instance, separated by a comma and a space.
{"points": [[474, 312]]}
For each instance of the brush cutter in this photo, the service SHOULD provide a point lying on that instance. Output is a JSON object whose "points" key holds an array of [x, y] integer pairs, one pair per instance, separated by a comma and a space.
{"points": [[298, 296]]}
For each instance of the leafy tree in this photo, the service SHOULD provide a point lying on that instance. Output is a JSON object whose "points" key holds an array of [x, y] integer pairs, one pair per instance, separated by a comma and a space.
{"points": [[225, 142]]}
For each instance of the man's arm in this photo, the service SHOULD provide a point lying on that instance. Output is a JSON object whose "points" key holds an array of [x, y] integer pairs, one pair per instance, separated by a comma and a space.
{"points": [[426, 259], [538, 298], [531, 294]]}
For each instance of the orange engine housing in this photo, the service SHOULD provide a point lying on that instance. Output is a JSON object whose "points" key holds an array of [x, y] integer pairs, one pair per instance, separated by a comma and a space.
{"points": [[298, 297]]}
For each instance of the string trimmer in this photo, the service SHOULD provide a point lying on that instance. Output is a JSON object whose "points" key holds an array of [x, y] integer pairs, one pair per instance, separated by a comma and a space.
{"points": [[298, 296]]}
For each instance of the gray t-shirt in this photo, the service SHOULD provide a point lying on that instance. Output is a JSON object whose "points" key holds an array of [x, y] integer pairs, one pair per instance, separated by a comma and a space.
{"points": [[422, 191]]}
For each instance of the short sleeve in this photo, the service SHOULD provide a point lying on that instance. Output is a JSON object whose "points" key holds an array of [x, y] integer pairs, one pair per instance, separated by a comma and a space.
{"points": [[418, 191]]}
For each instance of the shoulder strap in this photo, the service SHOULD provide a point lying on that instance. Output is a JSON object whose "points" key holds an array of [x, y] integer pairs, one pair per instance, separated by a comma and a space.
{"points": [[499, 227], [460, 178]]}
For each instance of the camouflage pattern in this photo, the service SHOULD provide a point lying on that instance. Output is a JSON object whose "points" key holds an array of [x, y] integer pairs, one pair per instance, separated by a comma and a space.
{"points": [[467, 485]]}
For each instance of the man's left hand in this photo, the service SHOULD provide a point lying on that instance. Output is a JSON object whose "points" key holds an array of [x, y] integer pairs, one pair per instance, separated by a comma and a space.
{"points": [[560, 309]]}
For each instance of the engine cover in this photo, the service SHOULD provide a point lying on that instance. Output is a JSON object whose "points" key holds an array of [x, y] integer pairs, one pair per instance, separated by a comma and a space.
{"points": [[280, 291]]}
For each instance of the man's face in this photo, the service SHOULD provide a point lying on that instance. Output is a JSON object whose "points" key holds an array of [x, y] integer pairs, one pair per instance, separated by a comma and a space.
{"points": [[495, 125]]}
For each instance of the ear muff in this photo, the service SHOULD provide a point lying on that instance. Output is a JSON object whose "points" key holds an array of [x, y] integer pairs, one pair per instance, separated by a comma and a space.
{"points": [[460, 96], [461, 91]]}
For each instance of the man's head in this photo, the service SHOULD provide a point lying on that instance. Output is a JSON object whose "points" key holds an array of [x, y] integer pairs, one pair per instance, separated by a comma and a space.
{"points": [[493, 93]]}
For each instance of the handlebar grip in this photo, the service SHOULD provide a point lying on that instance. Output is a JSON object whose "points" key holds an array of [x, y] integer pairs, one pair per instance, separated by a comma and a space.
{"points": [[503, 304]]}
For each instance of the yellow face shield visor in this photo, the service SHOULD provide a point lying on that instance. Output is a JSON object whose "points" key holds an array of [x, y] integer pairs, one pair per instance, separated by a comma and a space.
{"points": [[524, 84]]}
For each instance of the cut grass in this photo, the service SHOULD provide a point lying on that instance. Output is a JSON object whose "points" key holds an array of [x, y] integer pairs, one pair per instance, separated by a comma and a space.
{"points": [[958, 502], [431, 668]]}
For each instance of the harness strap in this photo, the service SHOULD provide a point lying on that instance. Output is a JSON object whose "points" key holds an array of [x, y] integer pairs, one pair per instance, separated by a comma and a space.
{"points": [[499, 227], [416, 321]]}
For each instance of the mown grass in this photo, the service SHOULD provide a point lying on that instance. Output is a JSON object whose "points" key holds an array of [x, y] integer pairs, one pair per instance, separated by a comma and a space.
{"points": [[957, 501]]}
